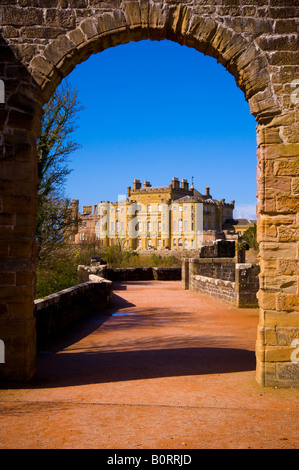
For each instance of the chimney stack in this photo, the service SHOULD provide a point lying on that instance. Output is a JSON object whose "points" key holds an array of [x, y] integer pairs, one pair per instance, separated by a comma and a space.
{"points": [[185, 185], [175, 183], [208, 191], [147, 184], [136, 184]]}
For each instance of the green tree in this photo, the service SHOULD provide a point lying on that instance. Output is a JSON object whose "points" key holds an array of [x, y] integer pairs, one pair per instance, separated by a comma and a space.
{"points": [[250, 237], [54, 146]]}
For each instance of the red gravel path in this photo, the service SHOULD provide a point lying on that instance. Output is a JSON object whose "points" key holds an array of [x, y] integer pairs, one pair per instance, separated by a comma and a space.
{"points": [[171, 370]]}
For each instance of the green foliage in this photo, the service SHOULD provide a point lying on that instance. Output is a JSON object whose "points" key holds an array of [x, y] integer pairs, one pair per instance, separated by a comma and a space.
{"points": [[59, 270], [113, 255], [250, 237], [53, 219], [116, 257], [54, 147]]}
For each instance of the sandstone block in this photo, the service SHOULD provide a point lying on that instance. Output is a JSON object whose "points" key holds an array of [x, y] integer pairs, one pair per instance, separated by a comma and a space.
{"points": [[41, 65], [287, 204], [278, 353], [267, 300], [288, 266], [76, 36], [111, 21], [288, 374], [288, 234], [285, 336], [288, 167], [58, 49], [278, 250], [288, 302], [295, 186], [21, 16], [89, 27], [133, 14]]}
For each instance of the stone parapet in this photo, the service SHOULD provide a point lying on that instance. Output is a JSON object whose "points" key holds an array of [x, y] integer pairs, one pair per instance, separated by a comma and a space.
{"points": [[223, 290], [58, 311], [237, 283]]}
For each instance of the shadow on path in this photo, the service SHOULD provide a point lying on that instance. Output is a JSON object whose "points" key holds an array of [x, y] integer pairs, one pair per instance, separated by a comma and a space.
{"points": [[78, 368]]}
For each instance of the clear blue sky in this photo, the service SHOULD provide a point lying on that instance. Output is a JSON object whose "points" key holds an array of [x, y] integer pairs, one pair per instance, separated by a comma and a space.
{"points": [[155, 110]]}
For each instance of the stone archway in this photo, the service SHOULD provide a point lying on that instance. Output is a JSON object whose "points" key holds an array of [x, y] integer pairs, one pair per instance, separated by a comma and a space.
{"points": [[256, 42]]}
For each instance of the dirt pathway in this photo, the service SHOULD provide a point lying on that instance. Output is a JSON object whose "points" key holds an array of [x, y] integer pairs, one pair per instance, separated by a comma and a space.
{"points": [[163, 369]]}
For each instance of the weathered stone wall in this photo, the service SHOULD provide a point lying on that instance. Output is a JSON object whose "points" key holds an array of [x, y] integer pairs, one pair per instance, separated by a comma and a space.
{"points": [[218, 249], [247, 285], [218, 288], [130, 274], [223, 278], [256, 40], [167, 274], [83, 272], [217, 268], [62, 309]]}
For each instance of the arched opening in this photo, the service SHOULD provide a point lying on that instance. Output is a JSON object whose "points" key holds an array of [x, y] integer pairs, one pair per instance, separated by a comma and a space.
{"points": [[244, 59]]}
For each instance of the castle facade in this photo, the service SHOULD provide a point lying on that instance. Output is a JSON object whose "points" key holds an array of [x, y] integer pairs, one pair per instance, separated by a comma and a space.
{"points": [[150, 217]]}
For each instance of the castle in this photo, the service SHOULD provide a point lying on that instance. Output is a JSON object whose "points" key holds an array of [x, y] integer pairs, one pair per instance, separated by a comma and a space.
{"points": [[174, 216]]}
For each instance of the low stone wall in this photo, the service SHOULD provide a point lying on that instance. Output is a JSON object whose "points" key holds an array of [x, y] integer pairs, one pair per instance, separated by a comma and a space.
{"points": [[217, 268], [97, 269], [218, 249], [130, 274], [60, 310], [224, 290], [167, 274], [237, 283], [144, 274], [247, 285]]}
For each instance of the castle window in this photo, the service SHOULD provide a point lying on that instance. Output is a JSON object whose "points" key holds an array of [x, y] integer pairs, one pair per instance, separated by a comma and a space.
{"points": [[186, 225], [186, 243], [180, 225], [174, 225], [139, 243], [180, 242], [159, 226], [174, 242], [149, 227]]}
